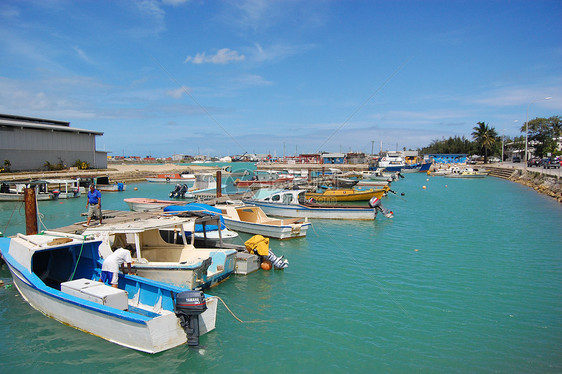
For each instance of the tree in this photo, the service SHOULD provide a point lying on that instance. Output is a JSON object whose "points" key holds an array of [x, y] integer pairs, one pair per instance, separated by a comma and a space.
{"points": [[544, 132], [485, 137]]}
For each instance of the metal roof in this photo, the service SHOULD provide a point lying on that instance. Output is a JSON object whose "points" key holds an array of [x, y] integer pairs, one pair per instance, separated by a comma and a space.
{"points": [[7, 120]]}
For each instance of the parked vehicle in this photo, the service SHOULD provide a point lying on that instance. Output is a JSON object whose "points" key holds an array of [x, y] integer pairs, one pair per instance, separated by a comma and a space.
{"points": [[516, 159], [534, 162], [551, 163]]}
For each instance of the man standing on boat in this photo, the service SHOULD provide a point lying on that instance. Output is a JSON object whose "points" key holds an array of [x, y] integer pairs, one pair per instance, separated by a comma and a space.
{"points": [[93, 204]]}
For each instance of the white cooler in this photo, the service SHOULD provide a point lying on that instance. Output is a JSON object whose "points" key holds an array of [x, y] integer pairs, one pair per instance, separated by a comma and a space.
{"points": [[97, 292]]}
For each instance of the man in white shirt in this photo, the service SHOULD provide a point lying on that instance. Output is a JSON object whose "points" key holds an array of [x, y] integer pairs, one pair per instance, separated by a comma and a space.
{"points": [[111, 265]]}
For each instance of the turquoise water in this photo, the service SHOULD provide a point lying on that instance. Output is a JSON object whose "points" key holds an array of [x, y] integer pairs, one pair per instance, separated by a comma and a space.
{"points": [[465, 278]]}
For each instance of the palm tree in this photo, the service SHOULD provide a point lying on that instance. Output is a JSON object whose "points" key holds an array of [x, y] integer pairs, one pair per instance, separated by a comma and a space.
{"points": [[485, 137]]}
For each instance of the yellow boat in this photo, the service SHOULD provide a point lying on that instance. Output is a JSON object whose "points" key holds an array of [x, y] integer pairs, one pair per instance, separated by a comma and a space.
{"points": [[346, 194]]}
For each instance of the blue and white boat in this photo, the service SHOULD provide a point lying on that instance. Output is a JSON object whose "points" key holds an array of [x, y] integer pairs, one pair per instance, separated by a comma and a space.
{"points": [[292, 203], [57, 274]]}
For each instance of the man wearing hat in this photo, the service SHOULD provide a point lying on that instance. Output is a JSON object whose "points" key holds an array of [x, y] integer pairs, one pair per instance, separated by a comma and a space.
{"points": [[93, 204]]}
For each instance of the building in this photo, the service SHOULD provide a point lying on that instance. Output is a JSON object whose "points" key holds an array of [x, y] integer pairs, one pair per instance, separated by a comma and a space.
{"points": [[446, 158], [333, 158], [30, 143]]}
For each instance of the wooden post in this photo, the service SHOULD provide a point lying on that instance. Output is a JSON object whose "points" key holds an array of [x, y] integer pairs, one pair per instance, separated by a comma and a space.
{"points": [[30, 211], [219, 184]]}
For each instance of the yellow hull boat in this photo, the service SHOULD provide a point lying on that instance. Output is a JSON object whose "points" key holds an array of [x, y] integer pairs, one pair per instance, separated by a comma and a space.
{"points": [[347, 194]]}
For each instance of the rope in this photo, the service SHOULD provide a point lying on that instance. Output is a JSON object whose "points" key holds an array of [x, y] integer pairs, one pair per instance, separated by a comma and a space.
{"points": [[13, 211], [238, 319], [78, 259]]}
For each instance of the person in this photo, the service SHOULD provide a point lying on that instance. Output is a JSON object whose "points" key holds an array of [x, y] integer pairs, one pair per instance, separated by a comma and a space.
{"points": [[93, 204], [110, 267]]}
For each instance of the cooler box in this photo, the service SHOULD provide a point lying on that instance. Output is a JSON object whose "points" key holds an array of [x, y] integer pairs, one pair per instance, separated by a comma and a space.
{"points": [[107, 295], [246, 263], [75, 287]]}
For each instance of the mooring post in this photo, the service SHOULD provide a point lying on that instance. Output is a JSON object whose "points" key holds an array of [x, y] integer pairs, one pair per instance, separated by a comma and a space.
{"points": [[219, 183], [30, 211]]}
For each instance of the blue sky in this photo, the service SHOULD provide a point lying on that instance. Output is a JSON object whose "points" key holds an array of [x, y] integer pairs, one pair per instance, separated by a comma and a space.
{"points": [[280, 77]]}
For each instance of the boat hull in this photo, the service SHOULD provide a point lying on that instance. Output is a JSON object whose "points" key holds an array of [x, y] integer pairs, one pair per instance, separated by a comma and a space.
{"points": [[330, 196], [271, 231], [302, 211]]}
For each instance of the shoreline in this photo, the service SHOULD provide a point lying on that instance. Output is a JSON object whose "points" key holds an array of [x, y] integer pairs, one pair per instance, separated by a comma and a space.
{"points": [[542, 183]]}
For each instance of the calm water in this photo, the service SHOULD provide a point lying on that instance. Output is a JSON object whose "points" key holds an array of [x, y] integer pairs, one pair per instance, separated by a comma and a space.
{"points": [[465, 278]]}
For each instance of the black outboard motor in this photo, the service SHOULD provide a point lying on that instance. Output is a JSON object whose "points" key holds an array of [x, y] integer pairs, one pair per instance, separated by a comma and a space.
{"points": [[176, 191], [183, 191], [189, 305]]}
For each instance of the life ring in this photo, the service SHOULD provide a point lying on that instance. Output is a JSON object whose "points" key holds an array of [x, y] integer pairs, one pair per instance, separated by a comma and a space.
{"points": [[384, 158], [167, 179]]}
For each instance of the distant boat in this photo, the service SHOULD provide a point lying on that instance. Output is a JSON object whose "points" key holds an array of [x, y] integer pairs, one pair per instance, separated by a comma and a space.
{"points": [[57, 274], [173, 178], [64, 188], [263, 179], [13, 191], [292, 203], [102, 184], [392, 161], [466, 173]]}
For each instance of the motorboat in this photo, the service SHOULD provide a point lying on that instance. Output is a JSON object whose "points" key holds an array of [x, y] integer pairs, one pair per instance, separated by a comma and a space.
{"points": [[63, 188], [264, 178], [173, 178], [253, 220], [182, 265], [457, 172], [58, 274], [346, 194], [292, 203], [14, 191], [142, 204]]}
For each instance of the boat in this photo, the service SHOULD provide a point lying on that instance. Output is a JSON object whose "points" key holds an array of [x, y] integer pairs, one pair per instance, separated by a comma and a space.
{"points": [[13, 191], [466, 173], [205, 234], [102, 184], [142, 204], [346, 194], [173, 178], [181, 265], [292, 203], [264, 178], [57, 275], [392, 161], [205, 186], [63, 188], [413, 168], [253, 220]]}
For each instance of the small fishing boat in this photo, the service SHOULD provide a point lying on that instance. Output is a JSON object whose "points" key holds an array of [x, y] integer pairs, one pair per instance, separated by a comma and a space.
{"points": [[57, 275], [205, 186], [292, 203], [142, 204], [253, 220], [13, 191], [103, 184], [182, 265], [263, 178], [466, 173], [347, 194], [64, 188], [173, 178]]}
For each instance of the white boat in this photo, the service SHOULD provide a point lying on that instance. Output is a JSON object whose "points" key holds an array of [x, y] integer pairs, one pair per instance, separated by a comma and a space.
{"points": [[103, 184], [13, 191], [173, 178], [253, 220], [457, 172], [205, 186], [64, 188], [141, 204], [181, 265], [292, 203], [58, 277], [392, 161]]}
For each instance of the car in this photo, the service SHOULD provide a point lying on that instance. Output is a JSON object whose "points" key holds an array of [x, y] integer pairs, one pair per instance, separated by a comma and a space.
{"points": [[516, 159], [551, 163], [534, 162]]}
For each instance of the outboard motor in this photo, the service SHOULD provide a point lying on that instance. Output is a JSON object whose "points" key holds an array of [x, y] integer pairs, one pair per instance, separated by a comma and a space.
{"points": [[176, 190], [189, 305], [183, 191], [55, 194]]}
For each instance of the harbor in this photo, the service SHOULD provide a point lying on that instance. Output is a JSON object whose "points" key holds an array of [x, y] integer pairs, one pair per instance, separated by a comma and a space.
{"points": [[425, 270]]}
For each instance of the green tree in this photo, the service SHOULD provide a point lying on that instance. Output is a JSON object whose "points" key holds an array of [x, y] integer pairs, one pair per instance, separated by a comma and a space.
{"points": [[485, 137], [543, 134]]}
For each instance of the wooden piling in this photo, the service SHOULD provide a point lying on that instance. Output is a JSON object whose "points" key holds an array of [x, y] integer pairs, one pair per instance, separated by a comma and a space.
{"points": [[31, 227]]}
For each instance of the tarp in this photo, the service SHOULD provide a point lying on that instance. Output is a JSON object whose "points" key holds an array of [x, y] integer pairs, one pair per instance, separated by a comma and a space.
{"points": [[258, 244]]}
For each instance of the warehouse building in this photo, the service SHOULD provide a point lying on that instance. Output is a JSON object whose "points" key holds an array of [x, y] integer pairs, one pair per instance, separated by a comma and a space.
{"points": [[28, 143]]}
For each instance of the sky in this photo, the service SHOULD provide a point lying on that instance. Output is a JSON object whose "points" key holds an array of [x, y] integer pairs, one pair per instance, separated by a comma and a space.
{"points": [[164, 77]]}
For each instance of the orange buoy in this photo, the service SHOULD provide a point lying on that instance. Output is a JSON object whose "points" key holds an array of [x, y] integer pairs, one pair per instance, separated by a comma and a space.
{"points": [[424, 187], [266, 265], [136, 188]]}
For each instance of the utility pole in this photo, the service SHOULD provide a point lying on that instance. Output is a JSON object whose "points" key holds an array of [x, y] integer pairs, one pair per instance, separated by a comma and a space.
{"points": [[372, 147]]}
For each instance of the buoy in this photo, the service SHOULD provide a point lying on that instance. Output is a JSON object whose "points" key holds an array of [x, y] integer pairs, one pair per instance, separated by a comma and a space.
{"points": [[1, 283], [446, 186], [136, 189], [427, 179], [266, 265], [416, 250], [402, 194], [424, 187]]}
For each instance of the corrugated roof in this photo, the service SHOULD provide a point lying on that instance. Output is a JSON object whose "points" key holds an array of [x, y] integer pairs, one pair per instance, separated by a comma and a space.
{"points": [[7, 120]]}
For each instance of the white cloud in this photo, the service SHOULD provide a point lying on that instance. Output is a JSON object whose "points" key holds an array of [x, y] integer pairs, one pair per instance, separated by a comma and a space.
{"points": [[174, 2], [83, 55], [178, 92], [223, 56]]}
